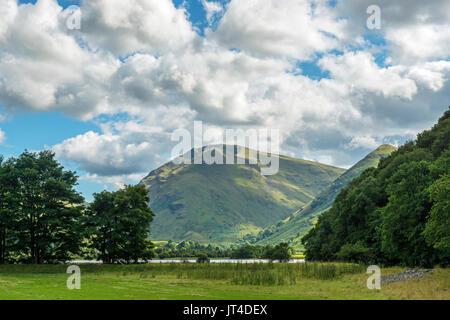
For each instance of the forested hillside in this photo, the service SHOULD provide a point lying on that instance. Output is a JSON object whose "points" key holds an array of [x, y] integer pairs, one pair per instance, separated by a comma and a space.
{"points": [[397, 213]]}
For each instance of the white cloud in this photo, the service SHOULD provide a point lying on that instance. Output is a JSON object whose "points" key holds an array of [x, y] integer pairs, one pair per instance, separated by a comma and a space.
{"points": [[215, 84], [43, 68], [281, 28], [125, 148], [213, 10], [117, 181], [433, 75], [359, 71], [420, 42], [2, 136], [364, 142], [111, 154], [125, 27], [8, 12], [416, 31]]}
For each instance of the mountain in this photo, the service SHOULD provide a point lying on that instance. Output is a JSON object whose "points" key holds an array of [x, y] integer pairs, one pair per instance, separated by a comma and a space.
{"points": [[295, 226], [222, 203]]}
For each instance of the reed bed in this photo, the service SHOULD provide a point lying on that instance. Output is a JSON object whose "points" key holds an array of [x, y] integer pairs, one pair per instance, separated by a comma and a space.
{"points": [[269, 274], [258, 274]]}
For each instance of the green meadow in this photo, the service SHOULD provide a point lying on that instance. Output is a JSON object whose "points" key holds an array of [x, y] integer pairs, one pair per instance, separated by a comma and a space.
{"points": [[214, 281]]}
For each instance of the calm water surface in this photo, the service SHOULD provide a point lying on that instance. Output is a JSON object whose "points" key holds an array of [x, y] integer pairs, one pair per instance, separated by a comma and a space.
{"points": [[194, 261]]}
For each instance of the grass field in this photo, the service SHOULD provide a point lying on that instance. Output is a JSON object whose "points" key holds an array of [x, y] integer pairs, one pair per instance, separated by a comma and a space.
{"points": [[215, 281]]}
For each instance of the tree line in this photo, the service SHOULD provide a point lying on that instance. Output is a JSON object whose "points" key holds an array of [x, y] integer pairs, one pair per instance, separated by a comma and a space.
{"points": [[190, 249], [43, 219], [395, 214]]}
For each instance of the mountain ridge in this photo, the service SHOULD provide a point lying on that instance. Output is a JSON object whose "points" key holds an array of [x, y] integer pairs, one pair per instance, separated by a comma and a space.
{"points": [[222, 203]]}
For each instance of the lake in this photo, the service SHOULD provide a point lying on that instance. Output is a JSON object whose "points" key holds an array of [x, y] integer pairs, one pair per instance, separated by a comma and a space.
{"points": [[194, 261]]}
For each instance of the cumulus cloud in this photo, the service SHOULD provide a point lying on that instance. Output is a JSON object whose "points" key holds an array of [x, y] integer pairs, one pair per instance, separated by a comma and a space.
{"points": [[46, 67], [281, 28], [8, 12], [142, 60], [43, 67], [213, 10], [113, 182], [415, 30], [364, 142], [420, 42], [361, 72], [124, 27], [432, 75], [122, 148]]}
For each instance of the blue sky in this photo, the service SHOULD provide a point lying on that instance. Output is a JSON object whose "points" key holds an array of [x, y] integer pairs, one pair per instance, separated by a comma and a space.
{"points": [[38, 131], [336, 88]]}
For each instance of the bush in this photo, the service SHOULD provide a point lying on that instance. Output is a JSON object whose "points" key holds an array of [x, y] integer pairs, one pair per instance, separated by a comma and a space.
{"points": [[246, 252], [281, 252], [354, 253], [203, 258]]}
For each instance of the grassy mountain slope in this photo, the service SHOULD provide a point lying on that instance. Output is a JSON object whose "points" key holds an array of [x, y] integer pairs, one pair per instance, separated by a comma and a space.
{"points": [[295, 226], [222, 203]]}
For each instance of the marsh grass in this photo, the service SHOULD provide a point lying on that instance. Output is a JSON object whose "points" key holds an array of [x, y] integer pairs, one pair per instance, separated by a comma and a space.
{"points": [[262, 274], [269, 274]]}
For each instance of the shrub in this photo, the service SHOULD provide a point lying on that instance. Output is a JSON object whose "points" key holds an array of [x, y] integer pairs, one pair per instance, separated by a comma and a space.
{"points": [[203, 258], [281, 252], [354, 253]]}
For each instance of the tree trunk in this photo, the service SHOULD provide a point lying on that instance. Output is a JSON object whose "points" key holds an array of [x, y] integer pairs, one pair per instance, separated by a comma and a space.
{"points": [[32, 240], [3, 247]]}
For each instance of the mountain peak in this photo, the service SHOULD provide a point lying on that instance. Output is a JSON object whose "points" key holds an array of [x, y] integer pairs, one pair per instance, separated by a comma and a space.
{"points": [[386, 147], [222, 203]]}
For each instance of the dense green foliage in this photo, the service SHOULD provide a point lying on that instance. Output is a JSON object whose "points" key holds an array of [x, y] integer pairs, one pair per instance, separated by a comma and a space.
{"points": [[39, 210], [119, 223], [248, 252], [298, 224], [437, 229], [397, 213], [191, 249], [222, 203], [281, 252], [203, 258], [43, 219]]}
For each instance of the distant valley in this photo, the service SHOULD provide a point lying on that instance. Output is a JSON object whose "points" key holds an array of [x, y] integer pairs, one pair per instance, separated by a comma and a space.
{"points": [[296, 225]]}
